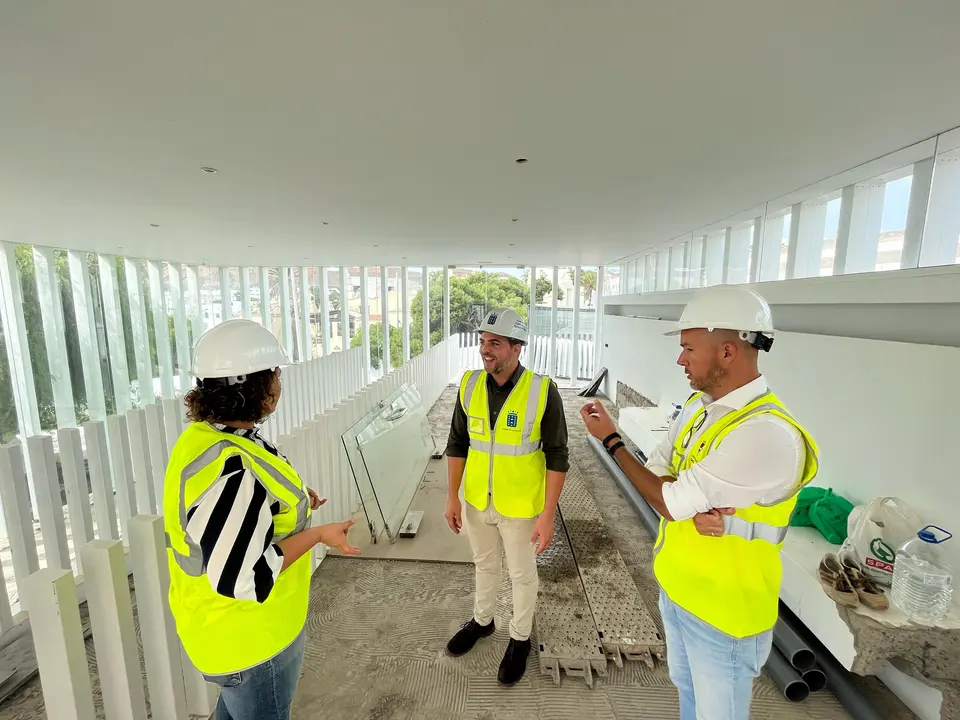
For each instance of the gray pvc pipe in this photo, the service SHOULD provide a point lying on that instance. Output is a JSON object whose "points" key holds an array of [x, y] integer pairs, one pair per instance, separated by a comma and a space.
{"points": [[786, 677], [648, 516], [838, 677], [793, 648], [815, 679]]}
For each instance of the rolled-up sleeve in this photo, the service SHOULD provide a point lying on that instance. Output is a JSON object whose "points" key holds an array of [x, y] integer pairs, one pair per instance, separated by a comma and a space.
{"points": [[458, 441], [761, 460], [553, 432]]}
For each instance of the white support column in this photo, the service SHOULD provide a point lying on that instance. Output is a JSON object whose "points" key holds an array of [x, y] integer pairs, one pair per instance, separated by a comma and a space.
{"points": [[245, 301], [695, 261], [738, 254], [51, 595], [15, 499], [575, 340], [161, 328], [75, 485], [446, 302], [184, 358], [114, 634], [552, 351], [426, 309], [15, 338], [917, 213], [405, 312], [756, 244], [714, 251], [191, 304], [286, 334], [306, 346], [43, 465], [769, 262], [98, 462], [54, 334], [858, 230], [226, 297], [385, 319], [344, 311], [138, 324], [87, 334], [940, 236], [365, 321], [532, 313], [650, 272], [325, 310], [598, 335], [161, 647], [265, 296], [122, 466]]}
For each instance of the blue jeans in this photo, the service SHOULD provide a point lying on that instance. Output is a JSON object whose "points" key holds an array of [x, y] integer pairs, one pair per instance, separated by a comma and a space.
{"points": [[713, 671], [263, 692]]}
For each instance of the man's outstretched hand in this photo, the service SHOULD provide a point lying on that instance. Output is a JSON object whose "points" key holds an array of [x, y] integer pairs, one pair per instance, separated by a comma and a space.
{"points": [[598, 421]]}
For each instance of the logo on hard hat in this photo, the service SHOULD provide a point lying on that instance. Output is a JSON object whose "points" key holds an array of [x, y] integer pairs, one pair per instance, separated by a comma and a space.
{"points": [[492, 320], [519, 325]]}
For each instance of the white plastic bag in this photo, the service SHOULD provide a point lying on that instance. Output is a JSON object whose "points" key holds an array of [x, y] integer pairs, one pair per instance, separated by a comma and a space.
{"points": [[876, 530]]}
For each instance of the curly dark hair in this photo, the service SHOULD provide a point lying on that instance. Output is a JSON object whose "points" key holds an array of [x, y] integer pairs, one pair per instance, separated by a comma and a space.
{"points": [[213, 400]]}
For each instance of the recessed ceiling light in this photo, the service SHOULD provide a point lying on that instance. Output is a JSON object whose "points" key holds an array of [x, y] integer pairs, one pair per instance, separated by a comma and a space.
{"points": [[521, 161], [210, 170], [154, 225], [511, 244], [326, 223], [515, 220]]}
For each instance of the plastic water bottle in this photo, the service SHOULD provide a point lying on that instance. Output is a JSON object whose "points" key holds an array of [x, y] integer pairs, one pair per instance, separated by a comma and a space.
{"points": [[922, 578]]}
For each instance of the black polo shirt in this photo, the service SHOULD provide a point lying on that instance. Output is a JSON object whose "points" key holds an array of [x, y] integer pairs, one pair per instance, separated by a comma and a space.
{"points": [[553, 426]]}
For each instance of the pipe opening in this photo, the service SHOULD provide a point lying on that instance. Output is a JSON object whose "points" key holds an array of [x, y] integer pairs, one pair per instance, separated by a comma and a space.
{"points": [[796, 691], [815, 679]]}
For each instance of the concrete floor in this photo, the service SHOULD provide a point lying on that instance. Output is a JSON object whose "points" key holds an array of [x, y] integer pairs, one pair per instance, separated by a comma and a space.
{"points": [[377, 630]]}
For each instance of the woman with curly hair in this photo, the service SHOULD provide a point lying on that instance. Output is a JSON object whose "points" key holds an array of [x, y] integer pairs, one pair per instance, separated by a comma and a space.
{"points": [[238, 535]]}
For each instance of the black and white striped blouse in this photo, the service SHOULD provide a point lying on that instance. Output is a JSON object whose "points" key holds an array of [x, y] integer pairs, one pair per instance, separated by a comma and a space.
{"points": [[232, 522]]}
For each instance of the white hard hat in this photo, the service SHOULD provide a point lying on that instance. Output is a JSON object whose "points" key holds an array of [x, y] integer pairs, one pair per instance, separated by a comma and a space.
{"points": [[505, 322], [729, 307], [236, 348]]}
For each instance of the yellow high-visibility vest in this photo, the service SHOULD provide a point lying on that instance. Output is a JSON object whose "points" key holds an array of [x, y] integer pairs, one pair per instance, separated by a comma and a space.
{"points": [[220, 634], [507, 460], [730, 582]]}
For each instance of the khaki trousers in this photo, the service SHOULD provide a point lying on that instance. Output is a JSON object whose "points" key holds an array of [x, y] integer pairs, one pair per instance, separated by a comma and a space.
{"points": [[491, 535]]}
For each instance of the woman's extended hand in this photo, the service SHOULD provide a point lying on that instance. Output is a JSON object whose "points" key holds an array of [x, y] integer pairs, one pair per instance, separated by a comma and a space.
{"points": [[315, 500], [335, 535]]}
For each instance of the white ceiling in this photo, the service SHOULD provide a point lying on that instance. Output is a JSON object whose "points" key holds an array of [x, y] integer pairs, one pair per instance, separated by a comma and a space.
{"points": [[398, 121]]}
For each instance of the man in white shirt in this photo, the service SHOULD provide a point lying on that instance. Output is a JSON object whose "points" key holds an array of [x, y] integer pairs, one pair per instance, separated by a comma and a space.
{"points": [[725, 481]]}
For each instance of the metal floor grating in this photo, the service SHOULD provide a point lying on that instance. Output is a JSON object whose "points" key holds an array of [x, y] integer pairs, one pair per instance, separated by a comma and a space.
{"points": [[625, 626], [566, 634]]}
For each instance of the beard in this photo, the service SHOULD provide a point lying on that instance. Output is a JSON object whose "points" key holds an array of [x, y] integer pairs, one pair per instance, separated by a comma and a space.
{"points": [[709, 379], [498, 366]]}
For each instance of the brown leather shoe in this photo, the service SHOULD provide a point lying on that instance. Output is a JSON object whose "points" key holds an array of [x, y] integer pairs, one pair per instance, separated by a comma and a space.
{"points": [[868, 592], [835, 582]]}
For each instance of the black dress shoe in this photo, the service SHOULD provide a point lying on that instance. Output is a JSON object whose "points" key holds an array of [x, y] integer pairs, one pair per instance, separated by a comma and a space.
{"points": [[514, 663], [467, 637]]}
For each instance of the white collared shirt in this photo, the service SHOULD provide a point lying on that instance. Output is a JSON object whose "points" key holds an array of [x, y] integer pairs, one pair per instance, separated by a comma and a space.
{"points": [[761, 460]]}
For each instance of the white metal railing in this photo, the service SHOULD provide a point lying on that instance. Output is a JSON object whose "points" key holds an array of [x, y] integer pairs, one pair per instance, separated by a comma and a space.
{"points": [[321, 398], [536, 355]]}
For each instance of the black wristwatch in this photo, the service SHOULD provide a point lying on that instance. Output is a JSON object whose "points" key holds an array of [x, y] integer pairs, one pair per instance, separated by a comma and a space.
{"points": [[616, 446]]}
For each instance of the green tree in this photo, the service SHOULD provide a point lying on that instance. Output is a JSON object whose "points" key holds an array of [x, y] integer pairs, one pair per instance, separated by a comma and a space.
{"points": [[471, 298], [376, 345], [588, 283]]}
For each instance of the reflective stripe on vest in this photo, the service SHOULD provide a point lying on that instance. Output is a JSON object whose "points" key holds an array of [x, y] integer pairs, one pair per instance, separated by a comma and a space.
{"points": [[731, 582], [192, 564], [514, 473]]}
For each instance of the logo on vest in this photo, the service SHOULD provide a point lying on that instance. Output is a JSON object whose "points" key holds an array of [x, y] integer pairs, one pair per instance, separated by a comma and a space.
{"points": [[513, 420]]}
